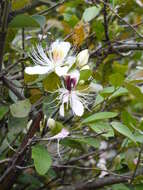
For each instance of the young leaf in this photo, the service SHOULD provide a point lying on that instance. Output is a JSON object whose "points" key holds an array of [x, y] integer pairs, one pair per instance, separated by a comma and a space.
{"points": [[89, 141], [42, 159], [99, 116]]}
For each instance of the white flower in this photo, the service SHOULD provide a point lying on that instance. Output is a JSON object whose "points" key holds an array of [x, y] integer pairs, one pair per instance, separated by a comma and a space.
{"points": [[82, 59], [70, 96], [57, 60]]}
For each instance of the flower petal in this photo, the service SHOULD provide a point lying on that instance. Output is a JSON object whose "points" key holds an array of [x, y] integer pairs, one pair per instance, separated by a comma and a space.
{"points": [[60, 71], [61, 135], [37, 70], [76, 105], [60, 50], [70, 60]]}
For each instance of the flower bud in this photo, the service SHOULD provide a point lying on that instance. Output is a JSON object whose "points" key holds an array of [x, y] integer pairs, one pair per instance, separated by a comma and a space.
{"points": [[82, 58], [51, 123], [95, 87]]}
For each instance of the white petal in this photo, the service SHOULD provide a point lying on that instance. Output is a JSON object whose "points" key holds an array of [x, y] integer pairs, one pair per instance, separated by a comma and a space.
{"points": [[76, 105], [139, 67], [37, 70], [60, 71], [60, 50], [61, 111], [70, 60]]}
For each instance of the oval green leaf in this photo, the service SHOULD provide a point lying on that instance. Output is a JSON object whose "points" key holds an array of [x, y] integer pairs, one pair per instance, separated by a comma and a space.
{"points": [[22, 21], [90, 13], [42, 159], [21, 108], [123, 130], [100, 116]]}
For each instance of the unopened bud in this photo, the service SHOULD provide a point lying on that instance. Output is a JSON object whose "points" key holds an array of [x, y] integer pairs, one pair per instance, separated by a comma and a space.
{"points": [[82, 58], [51, 123]]}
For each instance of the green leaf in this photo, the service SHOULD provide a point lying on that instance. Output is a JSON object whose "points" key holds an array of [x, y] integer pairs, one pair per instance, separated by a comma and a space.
{"points": [[99, 100], [29, 79], [90, 13], [22, 21], [119, 187], [100, 127], [116, 79], [89, 141], [123, 130], [98, 27], [85, 74], [100, 116], [3, 111], [51, 82], [138, 186], [15, 127], [20, 108], [107, 91], [135, 91], [119, 92], [42, 159], [40, 19], [16, 4], [72, 143]]}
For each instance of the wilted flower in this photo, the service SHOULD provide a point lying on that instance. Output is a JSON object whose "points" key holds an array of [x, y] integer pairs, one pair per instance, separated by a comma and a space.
{"points": [[82, 59], [70, 96], [57, 60], [61, 135]]}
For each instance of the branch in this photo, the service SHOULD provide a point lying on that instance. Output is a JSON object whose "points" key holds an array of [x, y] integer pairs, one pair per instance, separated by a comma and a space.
{"points": [[11, 86], [123, 48], [110, 180], [27, 8], [3, 30], [52, 7], [137, 165], [106, 21], [123, 20], [10, 175]]}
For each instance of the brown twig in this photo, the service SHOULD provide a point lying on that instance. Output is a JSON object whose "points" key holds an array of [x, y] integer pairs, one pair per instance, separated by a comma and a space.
{"points": [[9, 176], [3, 30]]}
